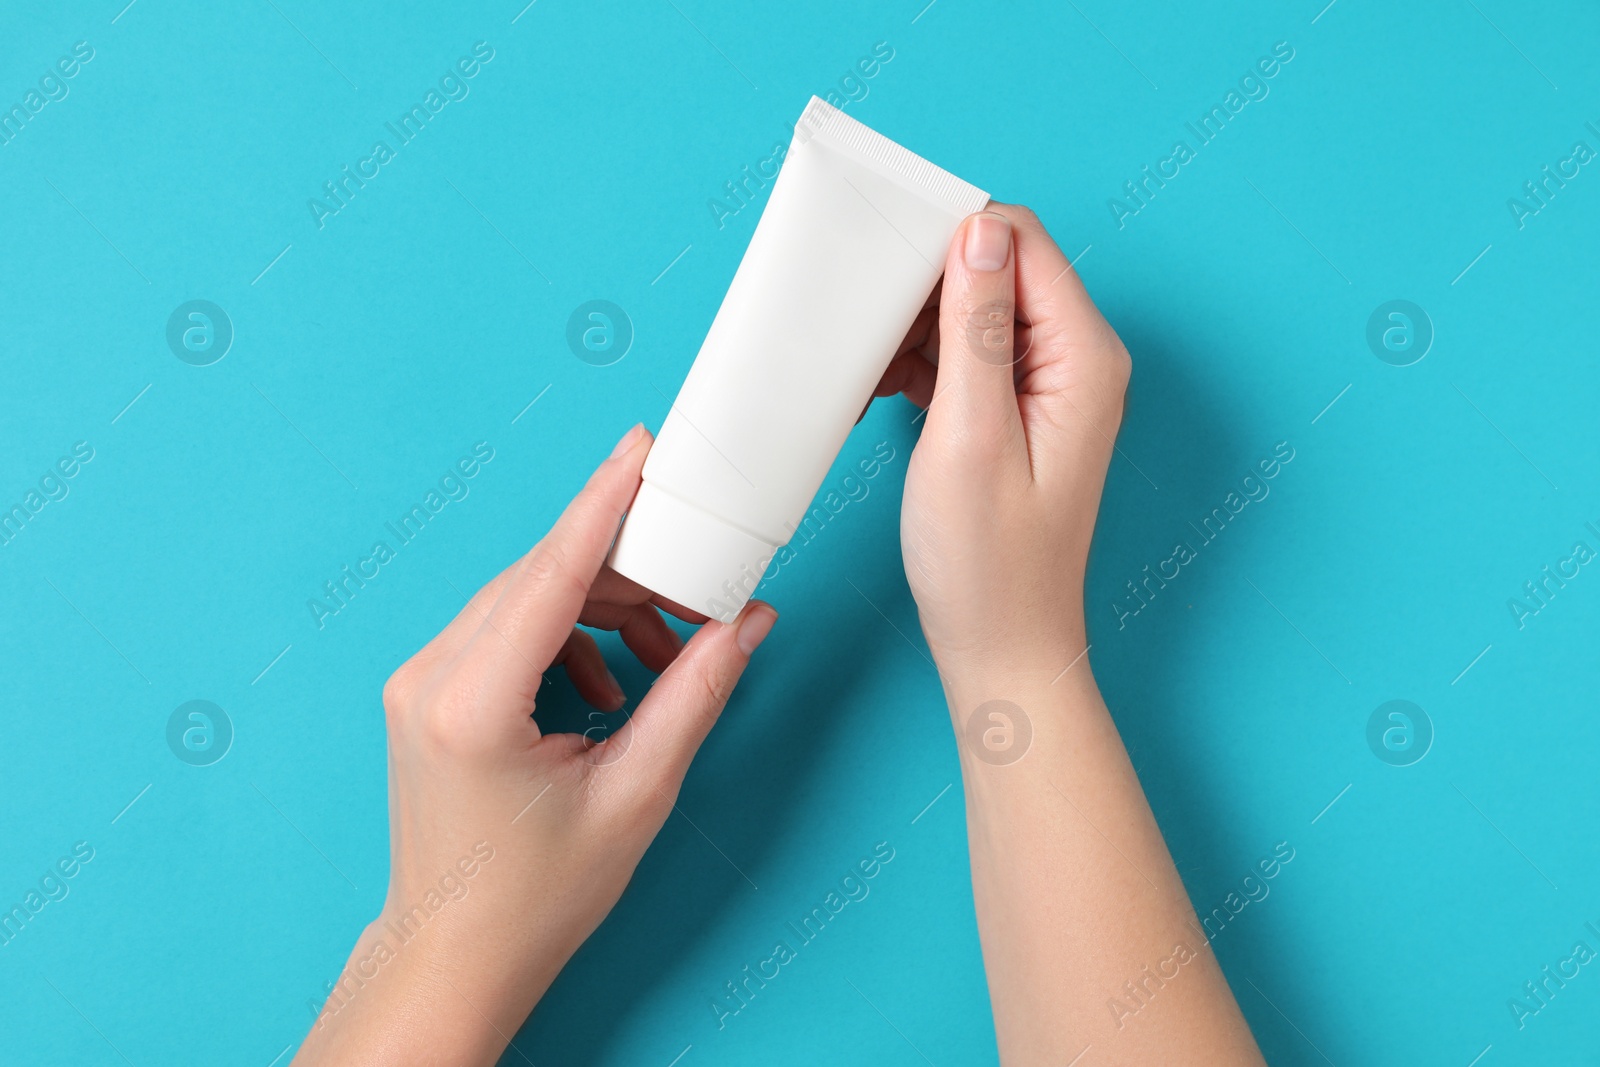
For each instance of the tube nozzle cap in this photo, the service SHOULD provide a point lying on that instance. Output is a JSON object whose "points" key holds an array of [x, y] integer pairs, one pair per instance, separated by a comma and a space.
{"points": [[686, 554]]}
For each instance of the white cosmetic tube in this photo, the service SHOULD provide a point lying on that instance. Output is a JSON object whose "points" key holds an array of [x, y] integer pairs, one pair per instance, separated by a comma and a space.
{"points": [[851, 242]]}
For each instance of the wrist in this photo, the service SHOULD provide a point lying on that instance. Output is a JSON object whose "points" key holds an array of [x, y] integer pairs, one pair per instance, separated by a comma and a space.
{"points": [[1005, 632], [499, 974], [399, 1001], [1017, 721], [438, 968], [1039, 667]]}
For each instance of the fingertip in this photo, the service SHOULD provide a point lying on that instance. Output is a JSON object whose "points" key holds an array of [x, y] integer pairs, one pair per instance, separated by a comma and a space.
{"points": [[986, 245], [630, 441], [755, 624], [618, 697], [689, 697], [678, 611]]}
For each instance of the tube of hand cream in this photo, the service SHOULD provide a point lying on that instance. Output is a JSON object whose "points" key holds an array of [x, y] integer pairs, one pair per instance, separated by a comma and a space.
{"points": [[851, 243]]}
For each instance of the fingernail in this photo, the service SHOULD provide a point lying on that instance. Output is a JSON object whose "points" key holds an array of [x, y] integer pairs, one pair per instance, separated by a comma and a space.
{"points": [[629, 439], [616, 686], [755, 628], [988, 242]]}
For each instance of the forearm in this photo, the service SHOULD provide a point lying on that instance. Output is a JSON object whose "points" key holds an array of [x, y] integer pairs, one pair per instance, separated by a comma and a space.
{"points": [[1088, 936]]}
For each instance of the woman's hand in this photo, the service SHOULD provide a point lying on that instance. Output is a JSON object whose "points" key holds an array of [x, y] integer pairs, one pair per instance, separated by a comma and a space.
{"points": [[508, 847], [1088, 937], [1023, 381]]}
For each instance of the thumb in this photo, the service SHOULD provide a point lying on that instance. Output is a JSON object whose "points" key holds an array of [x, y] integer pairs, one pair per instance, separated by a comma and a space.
{"points": [[975, 395], [674, 718]]}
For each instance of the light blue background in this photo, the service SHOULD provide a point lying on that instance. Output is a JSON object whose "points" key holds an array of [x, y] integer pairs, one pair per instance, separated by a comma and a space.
{"points": [[378, 349]]}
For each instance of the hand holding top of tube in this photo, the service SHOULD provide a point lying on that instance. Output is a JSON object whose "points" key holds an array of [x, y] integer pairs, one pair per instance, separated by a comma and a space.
{"points": [[1023, 380], [1074, 889]]}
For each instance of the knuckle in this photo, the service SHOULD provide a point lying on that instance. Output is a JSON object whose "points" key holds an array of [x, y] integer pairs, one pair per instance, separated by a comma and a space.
{"points": [[641, 807], [1107, 390], [397, 691], [438, 725], [710, 695], [435, 728], [549, 568], [1119, 366], [707, 692]]}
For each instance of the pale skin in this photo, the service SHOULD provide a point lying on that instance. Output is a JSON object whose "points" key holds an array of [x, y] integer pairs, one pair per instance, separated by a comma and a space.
{"points": [[526, 841]]}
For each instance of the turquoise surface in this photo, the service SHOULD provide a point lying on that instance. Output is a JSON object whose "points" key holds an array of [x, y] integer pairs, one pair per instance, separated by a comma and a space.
{"points": [[366, 346]]}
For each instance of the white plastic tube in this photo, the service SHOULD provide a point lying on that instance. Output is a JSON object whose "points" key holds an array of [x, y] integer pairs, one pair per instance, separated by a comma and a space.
{"points": [[851, 243]]}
